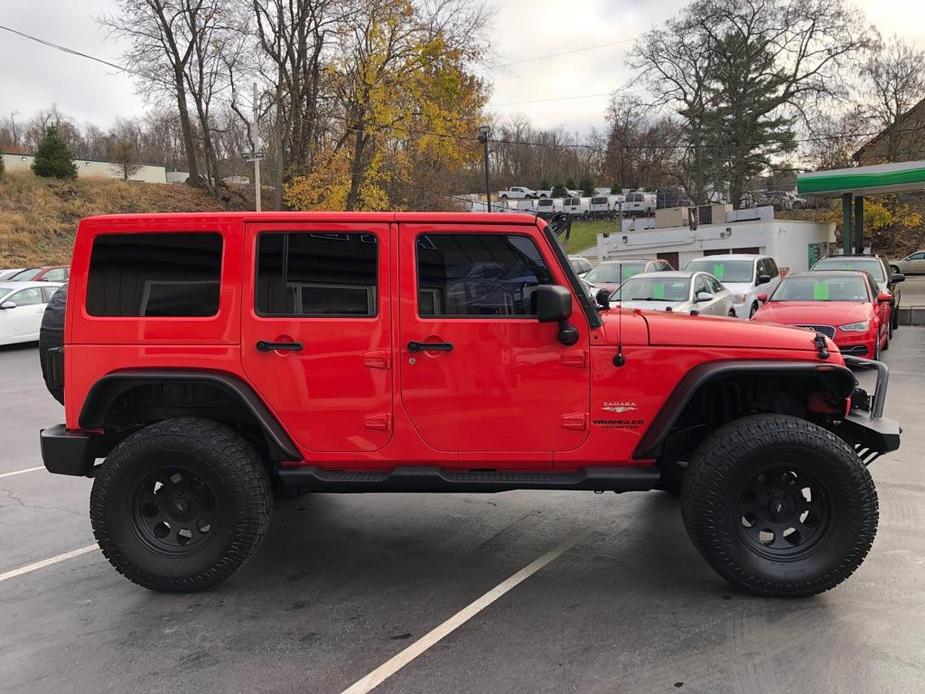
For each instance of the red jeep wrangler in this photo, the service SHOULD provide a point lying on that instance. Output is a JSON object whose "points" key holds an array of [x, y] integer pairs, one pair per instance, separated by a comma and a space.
{"points": [[207, 358]]}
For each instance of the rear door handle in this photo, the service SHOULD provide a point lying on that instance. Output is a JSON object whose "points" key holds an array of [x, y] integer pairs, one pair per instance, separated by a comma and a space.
{"points": [[430, 346], [264, 346]]}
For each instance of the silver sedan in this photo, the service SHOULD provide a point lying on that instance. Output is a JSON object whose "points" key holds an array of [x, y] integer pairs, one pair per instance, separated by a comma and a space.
{"points": [[679, 291]]}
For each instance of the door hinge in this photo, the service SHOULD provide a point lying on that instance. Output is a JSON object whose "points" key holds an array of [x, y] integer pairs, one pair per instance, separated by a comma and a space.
{"points": [[575, 357], [575, 420], [379, 421], [377, 360]]}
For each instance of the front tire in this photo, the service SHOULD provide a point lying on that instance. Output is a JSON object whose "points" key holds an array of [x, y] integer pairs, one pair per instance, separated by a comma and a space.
{"points": [[779, 506], [181, 505], [752, 311]]}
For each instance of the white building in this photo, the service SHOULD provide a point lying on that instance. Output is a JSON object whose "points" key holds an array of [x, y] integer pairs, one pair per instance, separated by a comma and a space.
{"points": [[149, 173], [795, 245]]}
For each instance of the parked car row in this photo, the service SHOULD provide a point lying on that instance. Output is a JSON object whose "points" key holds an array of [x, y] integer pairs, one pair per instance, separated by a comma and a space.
{"points": [[44, 273], [24, 294], [853, 300], [22, 305]]}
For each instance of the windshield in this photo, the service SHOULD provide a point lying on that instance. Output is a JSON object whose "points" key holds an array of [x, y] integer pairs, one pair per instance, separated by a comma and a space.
{"points": [[26, 275], [725, 270], [871, 265], [610, 272], [841, 288], [654, 289]]}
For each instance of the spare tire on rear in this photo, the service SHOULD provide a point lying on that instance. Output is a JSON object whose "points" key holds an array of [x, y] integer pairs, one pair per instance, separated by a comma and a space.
{"points": [[51, 344]]}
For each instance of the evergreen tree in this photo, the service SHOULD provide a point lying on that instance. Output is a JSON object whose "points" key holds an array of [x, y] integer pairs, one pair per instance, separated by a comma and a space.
{"points": [[52, 158], [559, 191]]}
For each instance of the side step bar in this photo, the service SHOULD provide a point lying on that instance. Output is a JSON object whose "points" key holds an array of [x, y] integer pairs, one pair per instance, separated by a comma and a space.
{"points": [[431, 479]]}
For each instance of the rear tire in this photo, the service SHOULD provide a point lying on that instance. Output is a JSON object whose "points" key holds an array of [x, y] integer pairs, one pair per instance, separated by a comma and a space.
{"points": [[181, 505], [779, 506]]}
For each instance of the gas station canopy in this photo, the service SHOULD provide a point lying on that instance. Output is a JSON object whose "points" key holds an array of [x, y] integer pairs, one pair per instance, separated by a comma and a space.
{"points": [[851, 185], [865, 180]]}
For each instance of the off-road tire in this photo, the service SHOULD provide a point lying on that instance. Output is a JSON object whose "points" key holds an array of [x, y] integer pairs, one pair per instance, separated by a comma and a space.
{"points": [[224, 462], [719, 471]]}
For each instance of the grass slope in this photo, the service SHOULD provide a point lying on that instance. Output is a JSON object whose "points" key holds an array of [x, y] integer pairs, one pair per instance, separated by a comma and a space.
{"points": [[38, 216], [584, 234]]}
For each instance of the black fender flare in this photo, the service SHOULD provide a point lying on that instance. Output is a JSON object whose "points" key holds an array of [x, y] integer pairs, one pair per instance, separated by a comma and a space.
{"points": [[106, 390], [703, 374]]}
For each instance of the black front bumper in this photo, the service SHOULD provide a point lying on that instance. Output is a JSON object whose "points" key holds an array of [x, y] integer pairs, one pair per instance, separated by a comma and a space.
{"points": [[866, 428], [68, 452]]}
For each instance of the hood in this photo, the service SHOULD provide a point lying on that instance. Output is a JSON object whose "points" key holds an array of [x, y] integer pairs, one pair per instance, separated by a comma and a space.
{"points": [[656, 305], [813, 312], [680, 329], [738, 287]]}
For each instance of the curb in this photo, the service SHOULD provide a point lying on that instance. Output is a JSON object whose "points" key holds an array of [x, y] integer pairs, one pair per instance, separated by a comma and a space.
{"points": [[913, 315]]}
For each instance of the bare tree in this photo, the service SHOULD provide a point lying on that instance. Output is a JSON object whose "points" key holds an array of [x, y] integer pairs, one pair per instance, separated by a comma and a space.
{"points": [[742, 73], [124, 146], [160, 50], [895, 73]]}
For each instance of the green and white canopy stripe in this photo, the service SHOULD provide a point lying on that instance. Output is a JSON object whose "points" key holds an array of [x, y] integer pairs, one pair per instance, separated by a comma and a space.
{"points": [[864, 180]]}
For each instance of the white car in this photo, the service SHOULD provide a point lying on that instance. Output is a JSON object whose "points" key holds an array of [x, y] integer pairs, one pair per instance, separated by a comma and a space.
{"points": [[678, 291], [746, 276], [517, 193], [6, 274], [22, 305]]}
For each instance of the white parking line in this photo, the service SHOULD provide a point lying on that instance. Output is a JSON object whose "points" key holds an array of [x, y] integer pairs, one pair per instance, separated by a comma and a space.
{"points": [[35, 566], [397, 662], [21, 472]]}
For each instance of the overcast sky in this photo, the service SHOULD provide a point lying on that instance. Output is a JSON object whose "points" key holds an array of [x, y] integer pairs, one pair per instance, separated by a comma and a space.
{"points": [[32, 76]]}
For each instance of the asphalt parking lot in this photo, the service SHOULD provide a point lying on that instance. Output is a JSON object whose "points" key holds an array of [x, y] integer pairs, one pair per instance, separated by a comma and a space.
{"points": [[623, 603]]}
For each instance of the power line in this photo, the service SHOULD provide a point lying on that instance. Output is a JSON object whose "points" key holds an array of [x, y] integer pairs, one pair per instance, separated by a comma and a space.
{"points": [[561, 53], [65, 49]]}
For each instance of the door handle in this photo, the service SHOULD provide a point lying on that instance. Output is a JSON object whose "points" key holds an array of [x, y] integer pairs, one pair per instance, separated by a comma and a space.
{"points": [[430, 346], [264, 346]]}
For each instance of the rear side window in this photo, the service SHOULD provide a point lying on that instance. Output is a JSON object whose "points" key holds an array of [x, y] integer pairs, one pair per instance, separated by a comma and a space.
{"points": [[317, 274], [172, 275], [478, 275], [59, 274]]}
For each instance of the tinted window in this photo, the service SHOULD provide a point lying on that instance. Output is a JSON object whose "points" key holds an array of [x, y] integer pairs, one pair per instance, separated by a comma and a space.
{"points": [[715, 285], [317, 274], [155, 275], [598, 201], [27, 297], [462, 275], [773, 270]]}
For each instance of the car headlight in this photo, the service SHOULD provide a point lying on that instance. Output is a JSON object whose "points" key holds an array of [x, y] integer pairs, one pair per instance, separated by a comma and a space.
{"points": [[859, 327], [739, 298]]}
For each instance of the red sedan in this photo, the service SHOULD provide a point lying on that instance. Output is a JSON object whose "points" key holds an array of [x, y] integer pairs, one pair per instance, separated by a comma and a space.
{"points": [[845, 306]]}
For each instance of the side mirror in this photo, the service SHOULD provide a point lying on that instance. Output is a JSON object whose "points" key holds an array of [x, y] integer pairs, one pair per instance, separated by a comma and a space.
{"points": [[551, 303], [884, 297], [704, 296], [8, 304], [602, 298], [897, 278], [762, 298], [763, 279]]}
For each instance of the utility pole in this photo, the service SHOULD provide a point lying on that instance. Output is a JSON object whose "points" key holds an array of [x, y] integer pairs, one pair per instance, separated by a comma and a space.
{"points": [[484, 132], [256, 158]]}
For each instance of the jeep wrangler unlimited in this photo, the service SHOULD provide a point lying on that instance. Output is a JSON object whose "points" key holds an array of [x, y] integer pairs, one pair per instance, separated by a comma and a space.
{"points": [[203, 359]]}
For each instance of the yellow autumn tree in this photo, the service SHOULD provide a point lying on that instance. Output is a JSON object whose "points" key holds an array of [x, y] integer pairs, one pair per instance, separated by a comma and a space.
{"points": [[407, 103]]}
